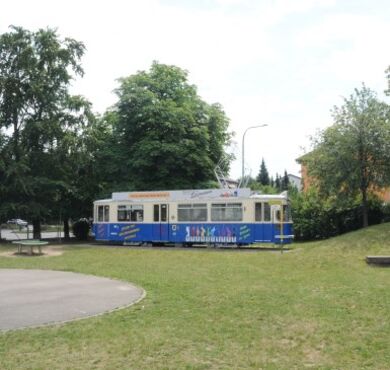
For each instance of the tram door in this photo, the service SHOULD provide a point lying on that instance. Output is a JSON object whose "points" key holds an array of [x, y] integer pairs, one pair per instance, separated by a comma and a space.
{"points": [[263, 222], [259, 227], [160, 218]]}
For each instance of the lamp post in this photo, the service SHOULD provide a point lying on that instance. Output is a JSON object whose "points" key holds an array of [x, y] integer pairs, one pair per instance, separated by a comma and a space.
{"points": [[243, 148]]}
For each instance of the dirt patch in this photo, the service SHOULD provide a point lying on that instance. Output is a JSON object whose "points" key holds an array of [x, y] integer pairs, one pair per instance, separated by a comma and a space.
{"points": [[49, 251], [313, 357]]}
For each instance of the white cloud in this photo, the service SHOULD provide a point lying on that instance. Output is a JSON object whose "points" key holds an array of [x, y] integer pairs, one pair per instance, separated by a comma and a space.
{"points": [[355, 47]]}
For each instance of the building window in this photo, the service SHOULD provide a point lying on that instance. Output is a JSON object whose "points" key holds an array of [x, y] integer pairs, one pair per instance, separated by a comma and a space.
{"points": [[192, 212], [132, 213], [226, 212]]}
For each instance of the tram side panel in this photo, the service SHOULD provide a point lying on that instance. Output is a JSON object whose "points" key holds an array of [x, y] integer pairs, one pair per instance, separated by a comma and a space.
{"points": [[115, 230], [241, 233], [213, 233], [176, 233], [101, 231], [131, 232], [245, 232], [283, 238]]}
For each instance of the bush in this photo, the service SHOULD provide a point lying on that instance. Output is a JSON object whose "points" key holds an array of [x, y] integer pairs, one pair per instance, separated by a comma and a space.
{"points": [[315, 217], [81, 229]]}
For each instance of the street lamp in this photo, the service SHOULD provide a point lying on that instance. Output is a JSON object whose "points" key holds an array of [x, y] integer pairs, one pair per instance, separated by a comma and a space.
{"points": [[243, 148]]}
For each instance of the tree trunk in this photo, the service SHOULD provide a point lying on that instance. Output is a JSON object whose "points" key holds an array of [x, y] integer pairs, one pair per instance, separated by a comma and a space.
{"points": [[66, 229], [364, 182], [16, 136], [37, 229], [364, 207]]}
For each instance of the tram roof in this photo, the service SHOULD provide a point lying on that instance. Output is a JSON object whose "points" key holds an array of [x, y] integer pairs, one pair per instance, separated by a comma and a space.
{"points": [[282, 195], [103, 200], [190, 195]]}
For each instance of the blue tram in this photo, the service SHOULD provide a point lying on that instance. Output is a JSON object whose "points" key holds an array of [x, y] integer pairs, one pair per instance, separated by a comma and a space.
{"points": [[207, 216]]}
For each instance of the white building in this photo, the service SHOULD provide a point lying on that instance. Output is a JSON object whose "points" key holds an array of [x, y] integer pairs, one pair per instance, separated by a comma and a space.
{"points": [[295, 181]]}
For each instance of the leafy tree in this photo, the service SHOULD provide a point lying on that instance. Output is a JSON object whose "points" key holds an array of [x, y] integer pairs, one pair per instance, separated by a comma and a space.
{"points": [[263, 176], [387, 92], [39, 120], [285, 181], [352, 157], [80, 155], [254, 185], [278, 182], [166, 136]]}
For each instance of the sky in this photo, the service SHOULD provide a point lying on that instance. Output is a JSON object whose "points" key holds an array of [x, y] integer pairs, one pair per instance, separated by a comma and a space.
{"points": [[284, 63]]}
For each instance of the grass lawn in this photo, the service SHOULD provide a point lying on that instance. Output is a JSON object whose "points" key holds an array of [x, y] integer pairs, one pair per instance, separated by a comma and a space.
{"points": [[318, 306]]}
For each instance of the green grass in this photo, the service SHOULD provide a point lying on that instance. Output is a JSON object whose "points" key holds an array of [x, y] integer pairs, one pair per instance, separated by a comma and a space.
{"points": [[319, 306]]}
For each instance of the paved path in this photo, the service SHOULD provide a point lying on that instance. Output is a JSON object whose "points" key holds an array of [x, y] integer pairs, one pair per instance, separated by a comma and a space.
{"points": [[8, 234], [37, 297]]}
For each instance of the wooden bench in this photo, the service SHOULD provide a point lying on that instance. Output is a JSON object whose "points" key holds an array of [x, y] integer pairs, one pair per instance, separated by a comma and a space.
{"points": [[378, 260]]}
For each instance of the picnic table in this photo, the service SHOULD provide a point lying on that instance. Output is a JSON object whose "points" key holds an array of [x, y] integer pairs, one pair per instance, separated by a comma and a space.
{"points": [[30, 243]]}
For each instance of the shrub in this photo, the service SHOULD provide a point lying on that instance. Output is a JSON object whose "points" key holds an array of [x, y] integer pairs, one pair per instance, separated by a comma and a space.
{"points": [[316, 217], [81, 229]]}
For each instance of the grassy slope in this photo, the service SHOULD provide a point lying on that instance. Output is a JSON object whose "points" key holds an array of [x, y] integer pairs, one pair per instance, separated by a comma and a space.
{"points": [[318, 306]]}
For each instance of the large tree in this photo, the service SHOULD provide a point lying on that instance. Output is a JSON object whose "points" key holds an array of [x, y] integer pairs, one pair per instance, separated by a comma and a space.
{"points": [[352, 157], [285, 182], [79, 154], [39, 120], [165, 135], [263, 176]]}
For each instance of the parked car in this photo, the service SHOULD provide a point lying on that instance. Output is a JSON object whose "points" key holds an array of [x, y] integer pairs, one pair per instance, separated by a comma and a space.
{"points": [[17, 221]]}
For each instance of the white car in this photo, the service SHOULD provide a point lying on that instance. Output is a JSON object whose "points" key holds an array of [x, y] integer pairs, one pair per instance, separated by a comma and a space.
{"points": [[17, 221]]}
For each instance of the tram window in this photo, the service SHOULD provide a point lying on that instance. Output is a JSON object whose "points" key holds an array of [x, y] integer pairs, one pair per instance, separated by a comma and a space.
{"points": [[258, 207], [137, 213], [192, 212], [286, 214], [184, 212], [199, 212], [134, 213], [226, 212], [100, 213], [106, 213], [122, 213], [267, 212], [156, 213], [164, 213]]}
